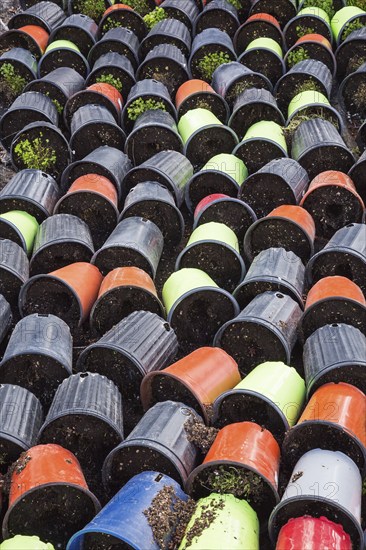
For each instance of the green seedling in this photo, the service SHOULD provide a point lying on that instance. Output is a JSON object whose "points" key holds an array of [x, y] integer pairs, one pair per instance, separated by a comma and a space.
{"points": [[301, 30], [110, 79], [297, 55], [358, 3], [11, 82], [140, 6], [326, 5], [91, 8], [350, 27], [209, 63], [36, 154], [307, 86], [235, 481], [154, 17], [141, 105]]}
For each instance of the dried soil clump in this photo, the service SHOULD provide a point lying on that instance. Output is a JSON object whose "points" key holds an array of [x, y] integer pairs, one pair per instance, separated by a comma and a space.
{"points": [[208, 515], [199, 434]]}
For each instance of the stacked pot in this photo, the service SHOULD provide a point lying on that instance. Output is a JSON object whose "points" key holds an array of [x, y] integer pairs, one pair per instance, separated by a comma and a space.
{"points": [[182, 275]]}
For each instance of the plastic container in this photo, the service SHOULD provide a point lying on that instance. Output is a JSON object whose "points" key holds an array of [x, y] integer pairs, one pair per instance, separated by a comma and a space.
{"points": [[167, 31], [14, 270], [80, 29], [47, 15], [208, 43], [63, 53], [19, 227], [197, 93], [351, 90], [313, 533], [272, 395], [264, 55], [38, 356], [343, 19], [258, 24], [24, 64], [265, 330], [117, 66], [218, 14], [183, 10], [311, 104], [30, 37], [313, 18], [283, 10], [350, 51], [119, 40], [5, 317], [31, 543], [357, 174], [312, 46], [100, 93], [196, 307]]}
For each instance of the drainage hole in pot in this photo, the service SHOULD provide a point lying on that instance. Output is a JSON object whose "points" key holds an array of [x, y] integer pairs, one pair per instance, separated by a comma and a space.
{"points": [[167, 327], [84, 374], [158, 478], [278, 295], [334, 325]]}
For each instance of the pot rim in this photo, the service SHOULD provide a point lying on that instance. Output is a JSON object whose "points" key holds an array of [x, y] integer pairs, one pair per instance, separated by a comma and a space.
{"points": [[253, 22], [202, 173], [12, 271], [39, 211], [68, 196], [52, 52], [323, 106], [235, 200], [289, 289], [101, 121], [14, 228], [304, 42], [32, 44], [311, 311], [210, 128], [125, 246], [319, 20], [316, 381], [126, 123], [253, 102], [339, 40], [244, 142], [68, 178], [139, 30], [215, 97], [88, 96]]}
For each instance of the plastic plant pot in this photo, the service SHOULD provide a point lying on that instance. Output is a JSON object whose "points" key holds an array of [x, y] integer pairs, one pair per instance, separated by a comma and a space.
{"points": [[218, 14], [31, 543], [273, 269], [14, 270], [95, 12], [312, 533], [38, 356], [305, 75], [20, 227], [220, 208], [22, 65], [167, 31], [195, 380], [243, 460], [312, 19], [61, 240], [169, 168], [264, 55], [328, 470], [312, 46], [153, 131], [263, 141], [312, 104], [30, 37], [122, 16], [195, 94], [68, 293], [146, 95], [40, 145], [161, 441], [152, 201], [266, 329], [210, 48], [352, 91], [272, 395], [32, 191], [258, 24], [252, 106], [223, 173], [79, 29], [98, 94], [119, 40], [214, 248], [47, 15], [21, 418], [233, 523], [361, 139], [93, 126], [341, 430], [45, 471], [135, 242], [283, 10], [182, 10], [92, 198], [344, 255], [196, 307], [345, 20], [116, 68], [351, 53], [63, 53], [123, 521], [357, 174], [5, 317], [288, 227]]}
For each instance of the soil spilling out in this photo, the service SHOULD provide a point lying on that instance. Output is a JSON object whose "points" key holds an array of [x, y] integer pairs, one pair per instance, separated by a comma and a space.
{"points": [[208, 515], [199, 434]]}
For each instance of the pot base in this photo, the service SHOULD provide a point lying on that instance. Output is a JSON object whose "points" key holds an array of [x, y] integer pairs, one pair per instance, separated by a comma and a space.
{"points": [[209, 182], [247, 291], [147, 141], [57, 255], [230, 211], [338, 262], [209, 142], [333, 310], [255, 152]]}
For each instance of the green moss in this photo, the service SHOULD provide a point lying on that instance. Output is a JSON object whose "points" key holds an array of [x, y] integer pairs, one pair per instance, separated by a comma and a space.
{"points": [[306, 86], [154, 17], [209, 63], [11, 82], [91, 8], [141, 105], [231, 480], [36, 154], [297, 55], [112, 23], [56, 103], [140, 6], [110, 79], [326, 5], [355, 25], [301, 30]]}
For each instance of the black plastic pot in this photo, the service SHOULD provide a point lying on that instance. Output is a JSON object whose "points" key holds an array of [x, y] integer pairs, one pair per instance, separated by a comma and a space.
{"points": [[251, 106], [63, 57], [104, 161], [335, 353], [205, 99], [231, 79], [161, 441], [351, 53], [5, 317], [25, 66], [119, 40], [21, 417], [153, 201], [218, 14], [27, 108], [80, 29], [266, 330], [265, 61], [17, 38], [153, 131], [38, 356], [51, 138], [96, 95], [302, 74], [117, 65], [314, 50], [140, 343], [14, 272], [76, 6], [283, 10], [124, 19], [61, 240], [32, 191], [344, 254], [318, 147], [281, 181], [167, 31], [351, 92], [47, 15], [145, 90], [93, 126], [307, 21], [250, 30], [185, 11], [209, 41], [169, 168], [358, 171]]}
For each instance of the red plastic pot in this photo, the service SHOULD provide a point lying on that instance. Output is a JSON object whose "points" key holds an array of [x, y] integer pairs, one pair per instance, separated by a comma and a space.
{"points": [[314, 37], [100, 94], [196, 380], [313, 534], [39, 35]]}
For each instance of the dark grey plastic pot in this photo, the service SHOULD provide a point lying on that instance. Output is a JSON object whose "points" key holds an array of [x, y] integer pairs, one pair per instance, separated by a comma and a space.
{"points": [[350, 92], [207, 42], [167, 31], [38, 356], [250, 30], [153, 131], [358, 172], [283, 10], [47, 15], [79, 29], [124, 19], [350, 52], [266, 330], [281, 181], [185, 11], [117, 65], [119, 40], [134, 242], [310, 21], [153, 201], [14, 272], [25, 66], [32, 191], [93, 126], [218, 14], [265, 61], [61, 240], [160, 440], [63, 57], [21, 417], [5, 317]]}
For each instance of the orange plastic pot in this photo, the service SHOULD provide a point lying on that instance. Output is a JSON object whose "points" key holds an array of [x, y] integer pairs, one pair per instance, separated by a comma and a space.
{"points": [[252, 455], [123, 291], [48, 488], [68, 293], [194, 93], [264, 17], [333, 419], [331, 300], [117, 7], [95, 184], [314, 37], [39, 35], [196, 380], [108, 91], [191, 87]]}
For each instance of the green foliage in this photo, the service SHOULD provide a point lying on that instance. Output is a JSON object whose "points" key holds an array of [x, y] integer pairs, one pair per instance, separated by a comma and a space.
{"points": [[112, 23], [306, 86], [231, 480], [58, 106], [155, 16], [141, 105], [11, 83], [140, 6], [355, 25], [359, 3], [110, 79], [326, 5], [92, 8], [236, 3], [209, 63], [36, 154], [301, 30], [297, 55]]}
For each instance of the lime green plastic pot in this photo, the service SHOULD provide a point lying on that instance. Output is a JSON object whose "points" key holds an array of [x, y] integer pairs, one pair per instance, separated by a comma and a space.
{"points": [[20, 542], [59, 44], [183, 281], [266, 129], [228, 164], [215, 232], [316, 12], [235, 525], [342, 17], [25, 225], [304, 99], [194, 120], [267, 44]]}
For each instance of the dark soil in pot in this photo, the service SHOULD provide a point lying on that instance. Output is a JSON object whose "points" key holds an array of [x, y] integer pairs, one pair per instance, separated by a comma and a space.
{"points": [[351, 54], [353, 92], [207, 183], [326, 157], [10, 284], [247, 113], [120, 74], [255, 153], [170, 70], [127, 19], [57, 255], [301, 26], [94, 135], [212, 102], [232, 212], [219, 17], [184, 11], [14, 76], [283, 10], [167, 31], [251, 30], [63, 57], [208, 142], [16, 38], [264, 61], [312, 50]]}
